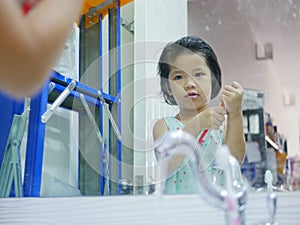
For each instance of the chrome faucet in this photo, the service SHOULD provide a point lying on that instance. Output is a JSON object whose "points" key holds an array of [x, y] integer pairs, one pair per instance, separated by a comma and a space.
{"points": [[232, 199], [272, 204], [271, 200]]}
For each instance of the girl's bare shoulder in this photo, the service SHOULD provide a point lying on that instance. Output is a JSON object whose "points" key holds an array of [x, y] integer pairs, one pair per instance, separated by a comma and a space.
{"points": [[159, 128]]}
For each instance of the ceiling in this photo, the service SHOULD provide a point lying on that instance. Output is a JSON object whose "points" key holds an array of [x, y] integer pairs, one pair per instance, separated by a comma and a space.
{"points": [[274, 21]]}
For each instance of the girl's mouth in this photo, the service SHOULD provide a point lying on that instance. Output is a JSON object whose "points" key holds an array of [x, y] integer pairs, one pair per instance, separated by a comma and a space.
{"points": [[192, 95]]}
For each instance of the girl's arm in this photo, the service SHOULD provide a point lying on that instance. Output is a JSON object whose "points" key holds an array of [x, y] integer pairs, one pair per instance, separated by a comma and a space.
{"points": [[30, 44], [159, 129], [234, 137]]}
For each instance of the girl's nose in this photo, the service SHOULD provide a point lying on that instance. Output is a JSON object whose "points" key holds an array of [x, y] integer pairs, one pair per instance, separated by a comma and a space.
{"points": [[190, 83]]}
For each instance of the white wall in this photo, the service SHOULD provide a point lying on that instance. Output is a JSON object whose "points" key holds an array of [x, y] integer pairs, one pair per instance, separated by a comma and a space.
{"points": [[224, 26], [60, 161], [156, 23]]}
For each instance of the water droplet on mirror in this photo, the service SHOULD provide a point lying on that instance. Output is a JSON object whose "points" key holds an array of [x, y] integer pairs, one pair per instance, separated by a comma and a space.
{"points": [[294, 15]]}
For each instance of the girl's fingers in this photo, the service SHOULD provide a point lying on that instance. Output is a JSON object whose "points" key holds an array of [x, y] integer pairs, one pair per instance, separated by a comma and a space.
{"points": [[215, 127], [220, 110], [216, 124], [236, 85], [230, 93], [231, 89], [220, 118], [227, 93]]}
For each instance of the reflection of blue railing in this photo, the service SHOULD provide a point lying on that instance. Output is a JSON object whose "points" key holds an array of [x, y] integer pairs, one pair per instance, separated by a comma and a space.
{"points": [[36, 127], [35, 145], [90, 93], [72, 101]]}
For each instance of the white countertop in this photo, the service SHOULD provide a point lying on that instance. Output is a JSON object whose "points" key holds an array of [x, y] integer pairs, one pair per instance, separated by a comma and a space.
{"points": [[140, 210]]}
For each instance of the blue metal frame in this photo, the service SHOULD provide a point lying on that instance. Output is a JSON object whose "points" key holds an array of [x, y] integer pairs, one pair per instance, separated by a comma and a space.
{"points": [[80, 87], [82, 24], [35, 145], [109, 73], [102, 146], [76, 95], [119, 94], [118, 97]]}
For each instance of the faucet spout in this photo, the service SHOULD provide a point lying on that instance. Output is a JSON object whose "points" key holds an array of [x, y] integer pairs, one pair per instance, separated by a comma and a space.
{"points": [[171, 144], [232, 199]]}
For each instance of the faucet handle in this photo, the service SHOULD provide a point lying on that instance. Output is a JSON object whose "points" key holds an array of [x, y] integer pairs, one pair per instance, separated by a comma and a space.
{"points": [[269, 180], [272, 205]]}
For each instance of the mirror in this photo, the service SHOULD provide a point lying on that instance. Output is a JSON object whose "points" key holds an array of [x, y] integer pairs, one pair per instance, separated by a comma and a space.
{"points": [[252, 40], [248, 39]]}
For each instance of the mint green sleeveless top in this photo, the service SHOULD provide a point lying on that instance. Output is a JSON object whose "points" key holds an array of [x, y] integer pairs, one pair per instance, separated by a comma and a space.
{"points": [[182, 180]]}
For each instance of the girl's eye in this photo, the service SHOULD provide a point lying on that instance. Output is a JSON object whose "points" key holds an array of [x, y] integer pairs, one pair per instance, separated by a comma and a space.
{"points": [[199, 74], [178, 77]]}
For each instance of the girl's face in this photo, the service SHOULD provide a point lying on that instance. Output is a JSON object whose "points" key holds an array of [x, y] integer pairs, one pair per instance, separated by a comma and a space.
{"points": [[190, 82]]}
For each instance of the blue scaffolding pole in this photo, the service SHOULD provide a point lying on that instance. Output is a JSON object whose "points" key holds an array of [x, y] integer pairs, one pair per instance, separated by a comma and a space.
{"points": [[35, 145], [115, 51], [102, 146], [119, 94]]}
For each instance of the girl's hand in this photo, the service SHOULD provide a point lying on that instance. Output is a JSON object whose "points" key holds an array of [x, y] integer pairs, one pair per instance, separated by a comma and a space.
{"points": [[232, 96], [212, 118]]}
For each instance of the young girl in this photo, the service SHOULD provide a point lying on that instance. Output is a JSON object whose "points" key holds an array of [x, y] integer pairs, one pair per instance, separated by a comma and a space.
{"points": [[190, 78]]}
